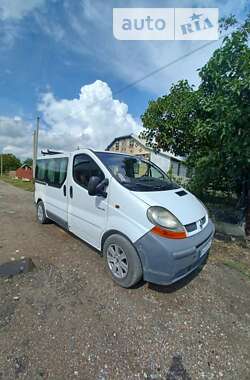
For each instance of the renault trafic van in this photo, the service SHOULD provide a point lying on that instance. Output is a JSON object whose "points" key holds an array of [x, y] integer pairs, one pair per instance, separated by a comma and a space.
{"points": [[145, 225]]}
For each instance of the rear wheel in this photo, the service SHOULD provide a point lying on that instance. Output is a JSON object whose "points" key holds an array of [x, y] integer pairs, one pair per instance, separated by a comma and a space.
{"points": [[122, 261], [40, 212]]}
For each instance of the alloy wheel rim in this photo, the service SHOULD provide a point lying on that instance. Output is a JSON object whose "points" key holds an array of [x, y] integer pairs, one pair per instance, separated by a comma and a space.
{"points": [[117, 261], [40, 212]]}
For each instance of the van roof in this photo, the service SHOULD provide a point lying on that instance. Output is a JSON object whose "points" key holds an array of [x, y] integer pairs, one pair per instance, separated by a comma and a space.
{"points": [[83, 150]]}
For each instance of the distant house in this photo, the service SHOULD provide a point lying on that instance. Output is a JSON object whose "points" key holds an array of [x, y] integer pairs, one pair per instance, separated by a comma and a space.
{"points": [[24, 172], [132, 144]]}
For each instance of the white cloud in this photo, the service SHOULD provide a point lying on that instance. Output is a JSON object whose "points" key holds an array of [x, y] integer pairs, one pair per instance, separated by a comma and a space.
{"points": [[15, 136], [92, 120], [17, 9]]}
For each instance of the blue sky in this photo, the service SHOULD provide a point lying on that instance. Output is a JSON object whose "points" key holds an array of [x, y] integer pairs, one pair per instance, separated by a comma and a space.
{"points": [[50, 49]]}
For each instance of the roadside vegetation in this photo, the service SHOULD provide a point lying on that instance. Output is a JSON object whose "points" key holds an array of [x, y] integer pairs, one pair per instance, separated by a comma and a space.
{"points": [[25, 185], [240, 267], [233, 254], [210, 125], [9, 162]]}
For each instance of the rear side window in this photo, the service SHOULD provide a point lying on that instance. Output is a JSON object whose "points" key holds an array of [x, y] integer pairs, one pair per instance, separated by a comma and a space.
{"points": [[52, 171], [63, 170], [85, 167], [41, 167], [57, 171]]}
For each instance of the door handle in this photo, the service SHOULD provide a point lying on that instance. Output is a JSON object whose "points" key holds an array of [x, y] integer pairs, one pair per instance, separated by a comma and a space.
{"points": [[64, 190], [71, 192]]}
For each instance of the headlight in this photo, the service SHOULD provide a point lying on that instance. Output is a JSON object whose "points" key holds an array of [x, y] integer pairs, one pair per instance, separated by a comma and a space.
{"points": [[160, 216], [166, 223]]}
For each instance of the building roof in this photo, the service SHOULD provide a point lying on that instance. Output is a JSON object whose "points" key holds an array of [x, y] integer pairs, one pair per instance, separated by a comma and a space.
{"points": [[119, 138], [26, 166], [143, 143]]}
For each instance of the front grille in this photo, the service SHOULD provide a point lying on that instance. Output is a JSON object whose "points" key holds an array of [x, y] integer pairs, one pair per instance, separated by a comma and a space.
{"points": [[203, 221], [191, 227]]}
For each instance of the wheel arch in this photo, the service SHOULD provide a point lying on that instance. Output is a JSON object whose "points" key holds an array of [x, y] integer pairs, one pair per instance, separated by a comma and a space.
{"points": [[113, 232], [137, 264]]}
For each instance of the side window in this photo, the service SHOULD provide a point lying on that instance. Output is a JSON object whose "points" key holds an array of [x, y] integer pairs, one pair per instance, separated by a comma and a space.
{"points": [[52, 169], [85, 167], [57, 171], [41, 167], [63, 170]]}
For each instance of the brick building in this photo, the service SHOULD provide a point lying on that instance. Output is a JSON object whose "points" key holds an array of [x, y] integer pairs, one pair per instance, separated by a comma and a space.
{"points": [[24, 172]]}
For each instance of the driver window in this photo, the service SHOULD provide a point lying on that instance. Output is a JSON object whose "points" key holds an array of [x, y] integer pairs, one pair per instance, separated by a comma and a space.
{"points": [[85, 167]]}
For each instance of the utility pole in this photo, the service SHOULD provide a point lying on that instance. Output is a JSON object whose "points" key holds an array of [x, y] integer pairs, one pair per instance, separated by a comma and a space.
{"points": [[35, 145], [1, 164], [34, 154], [37, 133]]}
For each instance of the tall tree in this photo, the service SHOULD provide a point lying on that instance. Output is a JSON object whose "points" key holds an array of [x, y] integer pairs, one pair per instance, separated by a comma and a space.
{"points": [[10, 162], [210, 125]]}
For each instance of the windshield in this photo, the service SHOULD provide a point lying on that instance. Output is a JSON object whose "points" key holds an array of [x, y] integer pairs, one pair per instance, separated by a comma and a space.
{"points": [[135, 173]]}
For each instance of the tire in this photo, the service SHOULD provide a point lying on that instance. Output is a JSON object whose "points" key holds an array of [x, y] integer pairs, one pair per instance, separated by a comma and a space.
{"points": [[40, 213], [122, 261]]}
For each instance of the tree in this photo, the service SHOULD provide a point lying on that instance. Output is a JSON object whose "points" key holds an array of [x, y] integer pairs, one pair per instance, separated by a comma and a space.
{"points": [[28, 162], [210, 125], [10, 162]]}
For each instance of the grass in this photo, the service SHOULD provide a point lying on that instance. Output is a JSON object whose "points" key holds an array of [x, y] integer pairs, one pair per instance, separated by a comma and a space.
{"points": [[233, 255], [25, 185], [240, 267]]}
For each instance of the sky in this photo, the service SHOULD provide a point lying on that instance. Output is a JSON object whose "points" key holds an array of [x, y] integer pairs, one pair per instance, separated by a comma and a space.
{"points": [[60, 61]]}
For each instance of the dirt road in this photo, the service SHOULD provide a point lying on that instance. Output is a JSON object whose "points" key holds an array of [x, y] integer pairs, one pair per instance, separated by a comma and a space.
{"points": [[68, 320]]}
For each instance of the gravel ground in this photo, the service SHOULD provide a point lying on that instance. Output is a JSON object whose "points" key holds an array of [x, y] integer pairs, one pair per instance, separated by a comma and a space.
{"points": [[68, 320]]}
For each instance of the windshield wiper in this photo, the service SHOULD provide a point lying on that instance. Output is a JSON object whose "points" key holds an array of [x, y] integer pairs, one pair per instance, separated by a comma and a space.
{"points": [[141, 186]]}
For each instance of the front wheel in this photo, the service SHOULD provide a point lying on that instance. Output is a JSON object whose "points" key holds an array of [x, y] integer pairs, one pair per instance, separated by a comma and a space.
{"points": [[40, 213], [122, 261]]}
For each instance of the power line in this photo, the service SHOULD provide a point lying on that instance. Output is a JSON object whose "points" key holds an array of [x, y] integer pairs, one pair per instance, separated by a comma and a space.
{"points": [[132, 84]]}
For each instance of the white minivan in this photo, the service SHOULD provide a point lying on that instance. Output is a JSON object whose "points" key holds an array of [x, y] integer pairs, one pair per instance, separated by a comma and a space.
{"points": [[145, 225]]}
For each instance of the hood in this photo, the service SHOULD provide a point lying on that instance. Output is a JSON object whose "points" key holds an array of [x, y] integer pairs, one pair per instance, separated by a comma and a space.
{"points": [[185, 206]]}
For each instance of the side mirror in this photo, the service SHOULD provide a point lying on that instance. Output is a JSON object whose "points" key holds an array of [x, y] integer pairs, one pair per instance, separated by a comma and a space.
{"points": [[96, 186]]}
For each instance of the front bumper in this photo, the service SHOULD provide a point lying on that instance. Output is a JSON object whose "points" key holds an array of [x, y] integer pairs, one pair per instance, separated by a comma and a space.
{"points": [[166, 261]]}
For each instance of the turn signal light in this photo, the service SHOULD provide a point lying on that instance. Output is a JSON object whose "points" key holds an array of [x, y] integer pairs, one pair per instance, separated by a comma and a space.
{"points": [[163, 232]]}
